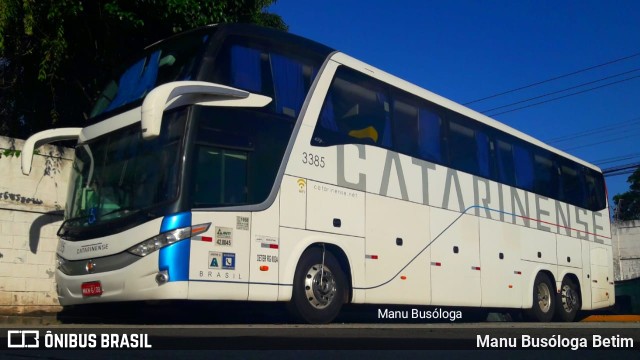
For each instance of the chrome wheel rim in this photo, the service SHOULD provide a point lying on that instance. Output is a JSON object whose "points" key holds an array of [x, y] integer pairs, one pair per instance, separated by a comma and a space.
{"points": [[569, 298], [544, 297], [320, 286]]}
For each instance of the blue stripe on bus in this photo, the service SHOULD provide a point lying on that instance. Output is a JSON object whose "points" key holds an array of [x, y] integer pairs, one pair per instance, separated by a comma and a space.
{"points": [[175, 257], [175, 221]]}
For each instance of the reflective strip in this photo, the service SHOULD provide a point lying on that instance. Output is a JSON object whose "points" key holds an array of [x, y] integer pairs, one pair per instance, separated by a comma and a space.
{"points": [[434, 263]]}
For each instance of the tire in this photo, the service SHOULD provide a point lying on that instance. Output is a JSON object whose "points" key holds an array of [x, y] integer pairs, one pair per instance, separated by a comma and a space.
{"points": [[544, 299], [318, 292], [568, 301]]}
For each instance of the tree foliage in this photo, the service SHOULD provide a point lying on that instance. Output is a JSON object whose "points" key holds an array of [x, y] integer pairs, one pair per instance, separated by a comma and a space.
{"points": [[627, 204], [55, 55]]}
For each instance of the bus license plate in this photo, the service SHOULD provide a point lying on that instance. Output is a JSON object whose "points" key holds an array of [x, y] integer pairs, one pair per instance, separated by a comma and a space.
{"points": [[91, 288]]}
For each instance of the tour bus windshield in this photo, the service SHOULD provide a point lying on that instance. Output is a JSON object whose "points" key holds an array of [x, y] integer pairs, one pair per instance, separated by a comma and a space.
{"points": [[119, 174], [231, 159], [170, 60]]}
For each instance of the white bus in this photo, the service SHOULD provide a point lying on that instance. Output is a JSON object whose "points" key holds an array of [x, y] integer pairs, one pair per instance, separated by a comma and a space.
{"points": [[239, 163]]}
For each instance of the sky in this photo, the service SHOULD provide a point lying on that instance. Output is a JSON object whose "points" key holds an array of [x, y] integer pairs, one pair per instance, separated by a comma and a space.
{"points": [[466, 50]]}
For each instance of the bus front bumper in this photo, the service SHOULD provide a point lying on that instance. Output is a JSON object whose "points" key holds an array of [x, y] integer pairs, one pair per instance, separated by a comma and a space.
{"points": [[134, 282]]}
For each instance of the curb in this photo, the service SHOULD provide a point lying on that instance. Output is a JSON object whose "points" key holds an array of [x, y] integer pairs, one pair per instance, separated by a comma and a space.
{"points": [[612, 318]]}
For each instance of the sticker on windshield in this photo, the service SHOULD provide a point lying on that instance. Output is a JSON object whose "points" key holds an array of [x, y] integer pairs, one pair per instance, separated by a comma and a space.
{"points": [[92, 215]]}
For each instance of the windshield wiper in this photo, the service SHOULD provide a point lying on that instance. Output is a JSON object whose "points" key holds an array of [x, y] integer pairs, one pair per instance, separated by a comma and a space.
{"points": [[126, 208]]}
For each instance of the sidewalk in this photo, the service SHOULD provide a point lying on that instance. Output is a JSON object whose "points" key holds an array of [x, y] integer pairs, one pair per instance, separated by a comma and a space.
{"points": [[29, 320]]}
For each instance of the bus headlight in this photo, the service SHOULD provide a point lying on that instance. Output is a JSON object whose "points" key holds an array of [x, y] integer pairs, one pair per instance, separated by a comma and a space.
{"points": [[159, 241], [61, 264]]}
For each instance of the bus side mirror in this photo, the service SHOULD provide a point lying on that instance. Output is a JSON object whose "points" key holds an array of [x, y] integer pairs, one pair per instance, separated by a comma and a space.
{"points": [[179, 93], [44, 137]]}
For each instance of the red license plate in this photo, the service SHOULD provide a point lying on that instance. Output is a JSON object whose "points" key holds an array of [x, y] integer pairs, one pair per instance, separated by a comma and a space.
{"points": [[91, 288]]}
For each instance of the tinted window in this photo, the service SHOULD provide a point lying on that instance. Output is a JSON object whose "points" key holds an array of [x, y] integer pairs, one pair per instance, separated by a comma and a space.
{"points": [[361, 110], [545, 180], [258, 67], [405, 125], [430, 135], [169, 61], [506, 169], [484, 155], [523, 166], [463, 154], [596, 197], [571, 185], [237, 155], [356, 110]]}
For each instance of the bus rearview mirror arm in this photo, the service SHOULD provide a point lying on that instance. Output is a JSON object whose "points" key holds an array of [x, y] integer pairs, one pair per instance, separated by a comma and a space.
{"points": [[180, 93], [41, 138]]}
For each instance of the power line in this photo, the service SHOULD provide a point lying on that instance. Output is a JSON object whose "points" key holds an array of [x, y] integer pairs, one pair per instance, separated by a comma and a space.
{"points": [[598, 142], [621, 169], [560, 91], [619, 125], [604, 135], [616, 159], [627, 172], [552, 79], [565, 96]]}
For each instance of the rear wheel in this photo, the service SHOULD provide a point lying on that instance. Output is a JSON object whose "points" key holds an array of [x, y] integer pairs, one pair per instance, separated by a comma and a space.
{"points": [[544, 299], [569, 302], [319, 287]]}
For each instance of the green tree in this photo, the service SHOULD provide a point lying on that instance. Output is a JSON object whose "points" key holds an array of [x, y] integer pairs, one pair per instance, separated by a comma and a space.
{"points": [[627, 204], [56, 54]]}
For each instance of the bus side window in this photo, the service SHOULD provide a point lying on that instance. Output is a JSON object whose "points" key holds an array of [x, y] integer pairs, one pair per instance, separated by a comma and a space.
{"points": [[405, 125], [289, 84], [545, 174], [463, 154], [523, 166], [571, 186], [595, 197], [484, 154], [356, 110], [429, 135], [246, 68], [506, 170]]}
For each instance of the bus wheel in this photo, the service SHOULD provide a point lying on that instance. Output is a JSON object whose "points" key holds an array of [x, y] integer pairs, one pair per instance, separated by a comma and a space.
{"points": [[569, 302], [319, 287], [544, 299]]}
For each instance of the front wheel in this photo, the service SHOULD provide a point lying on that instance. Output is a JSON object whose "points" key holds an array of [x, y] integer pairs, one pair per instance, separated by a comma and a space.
{"points": [[544, 299], [569, 302], [319, 287]]}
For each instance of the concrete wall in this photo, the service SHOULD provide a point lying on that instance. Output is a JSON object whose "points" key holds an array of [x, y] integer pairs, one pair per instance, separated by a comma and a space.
{"points": [[30, 215], [626, 249]]}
